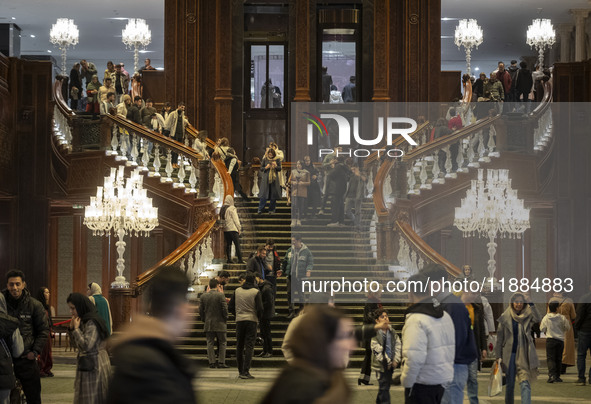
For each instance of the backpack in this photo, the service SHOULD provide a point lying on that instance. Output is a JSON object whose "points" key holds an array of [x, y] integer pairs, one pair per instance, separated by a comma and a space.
{"points": [[222, 219]]}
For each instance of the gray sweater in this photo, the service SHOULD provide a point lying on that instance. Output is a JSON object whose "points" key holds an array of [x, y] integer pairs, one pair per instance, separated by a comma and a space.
{"points": [[247, 303]]}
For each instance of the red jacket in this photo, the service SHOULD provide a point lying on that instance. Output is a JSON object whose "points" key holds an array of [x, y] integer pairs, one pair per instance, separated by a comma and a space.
{"points": [[505, 78], [455, 123]]}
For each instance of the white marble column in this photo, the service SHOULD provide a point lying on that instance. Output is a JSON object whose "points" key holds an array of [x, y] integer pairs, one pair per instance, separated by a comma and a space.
{"points": [[564, 31], [580, 15]]}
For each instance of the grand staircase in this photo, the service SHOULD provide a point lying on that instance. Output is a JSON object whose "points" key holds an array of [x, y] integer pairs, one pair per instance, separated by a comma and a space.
{"points": [[337, 252]]}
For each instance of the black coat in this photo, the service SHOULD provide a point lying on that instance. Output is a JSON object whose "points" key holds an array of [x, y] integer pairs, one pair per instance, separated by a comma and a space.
{"points": [[254, 265], [524, 81], [32, 320], [268, 300], [583, 319], [7, 326], [338, 178], [150, 371]]}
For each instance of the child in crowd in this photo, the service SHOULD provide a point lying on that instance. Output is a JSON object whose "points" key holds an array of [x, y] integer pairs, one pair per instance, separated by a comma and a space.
{"points": [[555, 326], [387, 350]]}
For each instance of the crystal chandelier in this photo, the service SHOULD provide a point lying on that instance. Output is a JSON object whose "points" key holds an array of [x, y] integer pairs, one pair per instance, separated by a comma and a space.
{"points": [[121, 206], [492, 209], [539, 35], [469, 35], [64, 33], [136, 34]]}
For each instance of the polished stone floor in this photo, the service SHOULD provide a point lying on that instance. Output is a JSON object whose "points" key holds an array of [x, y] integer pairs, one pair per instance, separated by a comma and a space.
{"points": [[223, 386]]}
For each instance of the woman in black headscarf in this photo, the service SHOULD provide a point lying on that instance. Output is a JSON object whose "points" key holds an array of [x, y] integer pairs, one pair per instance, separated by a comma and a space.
{"points": [[45, 359], [89, 332]]}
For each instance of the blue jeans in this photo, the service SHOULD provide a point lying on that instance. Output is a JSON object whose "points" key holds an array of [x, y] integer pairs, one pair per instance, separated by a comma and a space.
{"points": [[473, 381], [384, 380], [510, 392], [263, 202], [454, 393], [583, 346]]}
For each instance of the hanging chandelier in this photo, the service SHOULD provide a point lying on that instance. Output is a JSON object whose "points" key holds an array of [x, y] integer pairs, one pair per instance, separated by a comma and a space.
{"points": [[469, 35], [492, 209], [64, 33], [541, 34], [135, 34], [121, 206]]}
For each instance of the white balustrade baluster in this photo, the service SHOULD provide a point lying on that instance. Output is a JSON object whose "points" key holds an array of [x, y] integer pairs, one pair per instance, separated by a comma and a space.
{"points": [[192, 180], [218, 189], [369, 184], [436, 171], [448, 163], [114, 141], [255, 185], [388, 188], [421, 263], [181, 176], [168, 169], [423, 176], [492, 133], [182, 264], [190, 263], [145, 156], [471, 155], [460, 159], [123, 145], [412, 181], [482, 149], [413, 262], [134, 152], [156, 163]]}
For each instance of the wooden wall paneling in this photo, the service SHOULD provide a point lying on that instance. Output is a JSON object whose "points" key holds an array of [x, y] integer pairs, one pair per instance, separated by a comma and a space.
{"points": [[207, 70], [52, 267], [450, 86], [381, 48], [79, 255], [237, 83], [302, 50], [154, 85], [223, 69]]}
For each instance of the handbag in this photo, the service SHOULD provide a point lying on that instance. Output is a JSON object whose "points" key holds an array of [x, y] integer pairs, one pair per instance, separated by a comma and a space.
{"points": [[18, 346], [88, 362], [495, 382]]}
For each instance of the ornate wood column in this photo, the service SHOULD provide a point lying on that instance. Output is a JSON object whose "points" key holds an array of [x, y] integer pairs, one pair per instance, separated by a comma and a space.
{"points": [[182, 24], [223, 69], [580, 16], [302, 50], [381, 51]]}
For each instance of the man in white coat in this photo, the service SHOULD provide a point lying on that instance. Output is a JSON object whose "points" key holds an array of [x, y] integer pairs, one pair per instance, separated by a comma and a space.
{"points": [[428, 346]]}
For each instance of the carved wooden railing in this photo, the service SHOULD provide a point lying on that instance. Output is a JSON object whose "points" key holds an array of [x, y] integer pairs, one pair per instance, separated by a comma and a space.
{"points": [[136, 146], [432, 163]]}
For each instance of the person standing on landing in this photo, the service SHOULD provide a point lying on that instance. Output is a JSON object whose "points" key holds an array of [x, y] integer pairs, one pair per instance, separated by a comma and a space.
{"points": [[95, 295]]}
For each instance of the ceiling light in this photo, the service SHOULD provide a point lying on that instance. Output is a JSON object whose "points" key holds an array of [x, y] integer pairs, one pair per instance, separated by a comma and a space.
{"points": [[13, 18], [446, 36], [48, 51], [449, 19], [32, 36], [117, 18], [145, 51], [476, 69]]}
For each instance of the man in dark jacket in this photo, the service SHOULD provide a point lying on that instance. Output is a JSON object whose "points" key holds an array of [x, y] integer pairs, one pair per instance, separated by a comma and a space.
{"points": [[268, 300], [213, 310], [465, 352], [247, 305], [148, 368], [512, 70], [583, 328], [524, 83], [272, 264], [34, 329], [505, 78], [299, 263], [256, 263], [133, 112], [339, 177]]}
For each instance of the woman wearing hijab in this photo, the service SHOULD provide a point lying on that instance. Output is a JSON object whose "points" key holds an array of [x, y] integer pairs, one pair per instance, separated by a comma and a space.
{"points": [[45, 359], [300, 181], [515, 346], [7, 326], [320, 344], [270, 188], [92, 93], [89, 332], [95, 295]]}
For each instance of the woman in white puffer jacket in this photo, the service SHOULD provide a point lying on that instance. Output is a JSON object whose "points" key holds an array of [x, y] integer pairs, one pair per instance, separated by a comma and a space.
{"points": [[232, 228]]}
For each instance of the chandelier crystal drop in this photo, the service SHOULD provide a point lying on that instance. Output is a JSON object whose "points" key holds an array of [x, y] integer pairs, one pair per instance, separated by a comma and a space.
{"points": [[541, 34], [492, 209], [122, 206], [64, 33], [469, 35], [135, 34]]}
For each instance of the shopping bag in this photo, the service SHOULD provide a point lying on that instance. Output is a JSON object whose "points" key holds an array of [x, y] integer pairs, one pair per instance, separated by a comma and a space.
{"points": [[495, 383]]}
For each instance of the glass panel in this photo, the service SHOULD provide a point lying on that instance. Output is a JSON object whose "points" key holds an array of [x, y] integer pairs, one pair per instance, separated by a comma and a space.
{"points": [[276, 76], [258, 74], [338, 65], [261, 132]]}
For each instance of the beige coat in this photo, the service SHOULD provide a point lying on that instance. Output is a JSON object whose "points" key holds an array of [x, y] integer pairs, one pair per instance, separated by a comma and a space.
{"points": [[567, 309], [299, 180]]}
